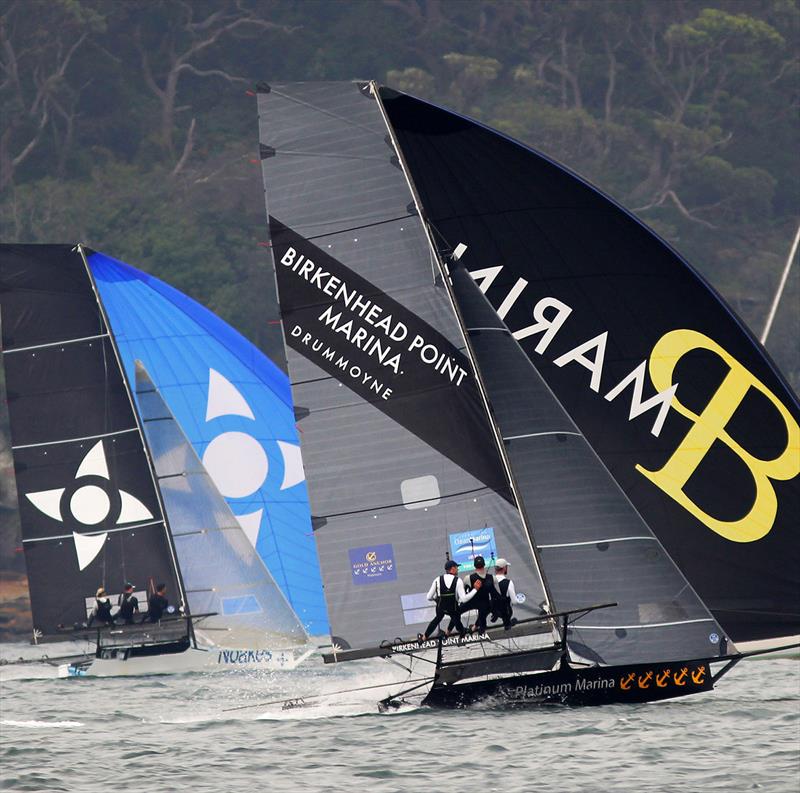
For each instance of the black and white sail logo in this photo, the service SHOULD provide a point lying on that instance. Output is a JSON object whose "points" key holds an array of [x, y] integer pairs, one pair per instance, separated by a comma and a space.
{"points": [[90, 499], [384, 352]]}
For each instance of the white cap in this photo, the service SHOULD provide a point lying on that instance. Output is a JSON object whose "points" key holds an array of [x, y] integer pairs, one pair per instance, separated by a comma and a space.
{"points": [[500, 563]]}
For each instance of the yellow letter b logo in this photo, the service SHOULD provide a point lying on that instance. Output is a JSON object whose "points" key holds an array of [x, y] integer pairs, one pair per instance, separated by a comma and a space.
{"points": [[709, 426]]}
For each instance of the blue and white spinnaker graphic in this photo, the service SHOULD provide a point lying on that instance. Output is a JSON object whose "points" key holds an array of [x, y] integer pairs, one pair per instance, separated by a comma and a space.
{"points": [[236, 408]]}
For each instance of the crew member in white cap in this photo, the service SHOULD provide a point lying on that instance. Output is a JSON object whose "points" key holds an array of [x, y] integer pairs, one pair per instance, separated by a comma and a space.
{"points": [[448, 593], [502, 605]]}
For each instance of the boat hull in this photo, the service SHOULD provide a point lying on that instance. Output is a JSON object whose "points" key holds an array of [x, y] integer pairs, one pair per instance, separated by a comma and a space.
{"points": [[601, 685], [189, 660]]}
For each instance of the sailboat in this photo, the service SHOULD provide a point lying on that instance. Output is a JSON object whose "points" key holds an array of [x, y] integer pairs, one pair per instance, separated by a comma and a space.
{"points": [[110, 495], [428, 432]]}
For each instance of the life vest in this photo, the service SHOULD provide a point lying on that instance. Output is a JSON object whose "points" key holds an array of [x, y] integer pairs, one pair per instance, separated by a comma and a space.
{"points": [[503, 601], [127, 605], [446, 598], [103, 609], [485, 593]]}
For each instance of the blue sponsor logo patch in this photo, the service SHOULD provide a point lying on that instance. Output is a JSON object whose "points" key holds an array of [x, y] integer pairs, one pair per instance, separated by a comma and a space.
{"points": [[466, 545], [372, 564]]}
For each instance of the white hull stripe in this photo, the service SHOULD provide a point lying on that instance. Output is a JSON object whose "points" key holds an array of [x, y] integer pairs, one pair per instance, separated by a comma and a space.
{"points": [[56, 343], [594, 542], [132, 527], [75, 440], [539, 434], [578, 627]]}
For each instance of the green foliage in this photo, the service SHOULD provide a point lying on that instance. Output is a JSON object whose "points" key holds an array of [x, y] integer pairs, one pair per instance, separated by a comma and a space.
{"points": [[684, 111]]}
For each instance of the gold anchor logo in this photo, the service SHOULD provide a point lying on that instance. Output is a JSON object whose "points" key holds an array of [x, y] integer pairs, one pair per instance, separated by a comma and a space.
{"points": [[680, 678], [663, 678], [698, 675], [644, 682], [371, 556], [625, 682]]}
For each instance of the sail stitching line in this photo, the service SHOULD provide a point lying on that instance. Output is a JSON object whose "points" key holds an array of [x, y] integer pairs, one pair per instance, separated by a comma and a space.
{"points": [[56, 343], [75, 440], [632, 627], [539, 434], [95, 533], [363, 226], [327, 155], [347, 121], [594, 542], [402, 504]]}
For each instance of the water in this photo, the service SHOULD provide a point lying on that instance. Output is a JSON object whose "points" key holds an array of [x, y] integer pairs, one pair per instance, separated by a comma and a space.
{"points": [[174, 733]]}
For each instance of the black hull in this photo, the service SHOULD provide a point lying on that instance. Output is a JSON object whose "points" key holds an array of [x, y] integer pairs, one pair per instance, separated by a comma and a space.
{"points": [[592, 686]]}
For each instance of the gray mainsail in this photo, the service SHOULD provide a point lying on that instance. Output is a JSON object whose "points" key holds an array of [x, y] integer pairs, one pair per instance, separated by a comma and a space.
{"points": [[401, 458], [221, 570], [593, 545]]}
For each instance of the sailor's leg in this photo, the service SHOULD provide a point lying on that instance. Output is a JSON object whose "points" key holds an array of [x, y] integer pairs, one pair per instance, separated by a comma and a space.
{"points": [[434, 623]]}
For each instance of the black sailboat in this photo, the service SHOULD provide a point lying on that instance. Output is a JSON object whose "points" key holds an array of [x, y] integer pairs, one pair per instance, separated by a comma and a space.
{"points": [[109, 494], [427, 429]]}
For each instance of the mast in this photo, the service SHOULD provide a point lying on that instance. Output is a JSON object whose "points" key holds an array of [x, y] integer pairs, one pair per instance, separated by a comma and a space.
{"points": [[145, 447], [468, 347]]}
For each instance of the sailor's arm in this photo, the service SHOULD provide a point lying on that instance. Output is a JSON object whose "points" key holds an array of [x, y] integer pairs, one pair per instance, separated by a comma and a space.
{"points": [[432, 591], [461, 593], [511, 592]]}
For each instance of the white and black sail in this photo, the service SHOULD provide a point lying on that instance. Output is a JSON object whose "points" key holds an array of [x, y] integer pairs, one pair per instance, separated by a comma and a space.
{"points": [[89, 507], [401, 458], [678, 399], [223, 575]]}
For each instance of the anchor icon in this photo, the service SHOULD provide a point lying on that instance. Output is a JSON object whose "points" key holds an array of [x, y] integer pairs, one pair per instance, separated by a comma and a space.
{"points": [[663, 678], [644, 682], [698, 675], [625, 682], [680, 678]]}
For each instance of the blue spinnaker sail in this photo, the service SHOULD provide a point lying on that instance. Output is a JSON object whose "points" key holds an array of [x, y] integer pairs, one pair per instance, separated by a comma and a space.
{"points": [[236, 408]]}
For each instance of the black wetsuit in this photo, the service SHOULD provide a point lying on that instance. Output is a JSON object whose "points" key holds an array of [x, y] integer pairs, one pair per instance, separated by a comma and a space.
{"points": [[502, 609], [156, 606], [128, 606], [446, 606], [482, 601]]}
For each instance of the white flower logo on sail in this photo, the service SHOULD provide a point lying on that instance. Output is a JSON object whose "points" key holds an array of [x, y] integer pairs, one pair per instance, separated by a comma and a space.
{"points": [[89, 504], [236, 461]]}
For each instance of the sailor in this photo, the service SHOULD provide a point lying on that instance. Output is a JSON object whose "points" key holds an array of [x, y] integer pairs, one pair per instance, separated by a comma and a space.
{"points": [[128, 604], [157, 603], [102, 609], [483, 583], [502, 606], [448, 593]]}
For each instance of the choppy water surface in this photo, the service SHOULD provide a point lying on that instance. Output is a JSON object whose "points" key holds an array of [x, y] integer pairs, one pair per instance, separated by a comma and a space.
{"points": [[174, 733]]}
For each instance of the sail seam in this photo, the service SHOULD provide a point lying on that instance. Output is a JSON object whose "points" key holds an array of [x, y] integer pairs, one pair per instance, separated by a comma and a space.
{"points": [[75, 440], [649, 625], [403, 503], [595, 542], [95, 533], [56, 343], [539, 434], [359, 228]]}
